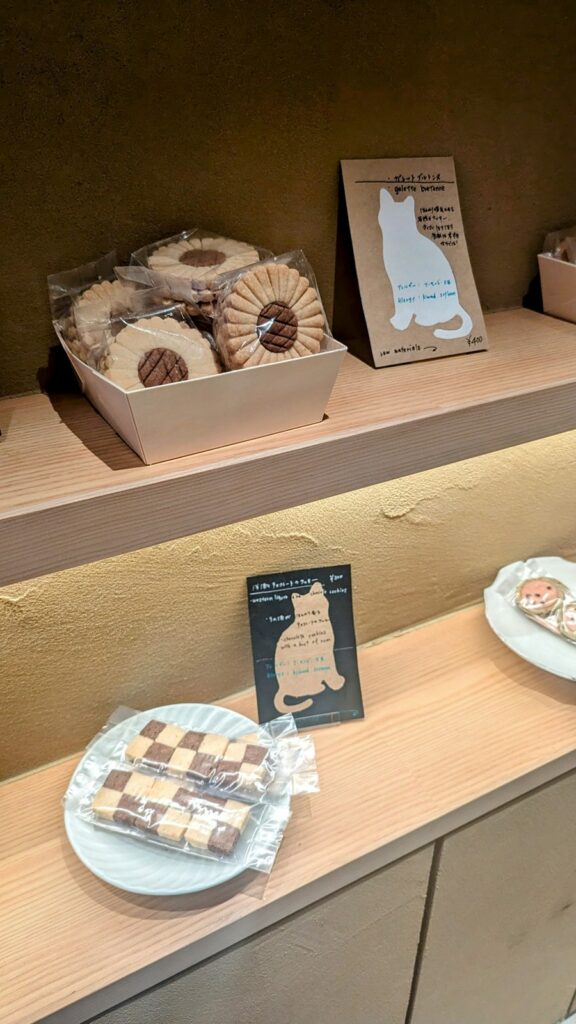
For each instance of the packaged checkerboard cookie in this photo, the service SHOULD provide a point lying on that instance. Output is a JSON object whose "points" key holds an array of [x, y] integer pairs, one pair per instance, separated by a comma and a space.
{"points": [[161, 783], [192, 266], [244, 767], [270, 313], [153, 808]]}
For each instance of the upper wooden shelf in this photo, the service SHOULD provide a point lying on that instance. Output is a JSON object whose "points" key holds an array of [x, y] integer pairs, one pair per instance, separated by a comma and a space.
{"points": [[73, 492], [456, 726]]}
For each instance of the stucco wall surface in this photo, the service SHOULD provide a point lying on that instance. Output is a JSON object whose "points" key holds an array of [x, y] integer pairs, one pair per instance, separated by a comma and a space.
{"points": [[127, 122], [169, 623]]}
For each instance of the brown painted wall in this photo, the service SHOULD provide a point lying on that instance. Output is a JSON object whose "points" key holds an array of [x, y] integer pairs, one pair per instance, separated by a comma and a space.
{"points": [[129, 121]]}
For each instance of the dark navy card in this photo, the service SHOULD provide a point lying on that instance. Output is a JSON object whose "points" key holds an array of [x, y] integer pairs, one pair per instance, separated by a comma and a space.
{"points": [[304, 645]]}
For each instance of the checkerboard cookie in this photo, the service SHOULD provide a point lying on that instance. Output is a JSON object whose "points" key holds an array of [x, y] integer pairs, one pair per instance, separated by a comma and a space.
{"points": [[178, 814], [170, 748], [231, 765], [269, 314], [243, 769]]}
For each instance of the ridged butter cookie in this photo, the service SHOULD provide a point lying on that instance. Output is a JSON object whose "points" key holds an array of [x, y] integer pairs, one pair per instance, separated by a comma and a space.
{"points": [[201, 261], [88, 329], [158, 351], [104, 299], [270, 313]]}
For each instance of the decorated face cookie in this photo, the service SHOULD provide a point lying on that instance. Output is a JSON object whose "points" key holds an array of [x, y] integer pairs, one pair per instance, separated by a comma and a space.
{"points": [[540, 596]]}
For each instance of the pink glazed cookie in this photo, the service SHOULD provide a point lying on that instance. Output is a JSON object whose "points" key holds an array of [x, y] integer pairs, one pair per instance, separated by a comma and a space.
{"points": [[540, 595]]}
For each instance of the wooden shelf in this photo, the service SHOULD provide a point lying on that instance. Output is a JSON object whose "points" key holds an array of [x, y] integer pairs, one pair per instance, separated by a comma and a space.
{"points": [[73, 492], [456, 725]]}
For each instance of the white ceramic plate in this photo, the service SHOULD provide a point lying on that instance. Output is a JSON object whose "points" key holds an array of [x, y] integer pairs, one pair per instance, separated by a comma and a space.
{"points": [[131, 864], [517, 631]]}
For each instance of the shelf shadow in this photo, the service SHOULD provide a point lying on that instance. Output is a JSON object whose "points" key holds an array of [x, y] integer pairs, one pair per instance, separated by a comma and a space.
{"points": [[93, 431], [563, 691], [59, 383], [348, 320], [249, 882]]}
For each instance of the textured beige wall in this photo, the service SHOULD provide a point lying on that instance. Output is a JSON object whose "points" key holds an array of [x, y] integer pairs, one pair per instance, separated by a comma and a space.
{"points": [[346, 960], [128, 121], [169, 623]]}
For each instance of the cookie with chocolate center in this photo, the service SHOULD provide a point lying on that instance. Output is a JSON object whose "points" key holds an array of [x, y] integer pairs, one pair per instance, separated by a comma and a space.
{"points": [[159, 350], [270, 313]]}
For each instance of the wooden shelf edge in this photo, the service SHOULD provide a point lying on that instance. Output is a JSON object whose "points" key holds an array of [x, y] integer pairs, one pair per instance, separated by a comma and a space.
{"points": [[446, 739], [68, 476], [270, 914]]}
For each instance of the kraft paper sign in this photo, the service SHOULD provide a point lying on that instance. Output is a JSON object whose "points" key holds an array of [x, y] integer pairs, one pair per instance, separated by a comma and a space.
{"points": [[304, 646], [414, 273]]}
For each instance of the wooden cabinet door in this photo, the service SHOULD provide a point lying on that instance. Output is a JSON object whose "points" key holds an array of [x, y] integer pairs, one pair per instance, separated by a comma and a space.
{"points": [[501, 940], [348, 959]]}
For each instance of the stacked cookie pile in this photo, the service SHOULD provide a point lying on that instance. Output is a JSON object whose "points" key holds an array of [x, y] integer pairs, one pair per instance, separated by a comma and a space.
{"points": [[190, 267], [190, 306]]}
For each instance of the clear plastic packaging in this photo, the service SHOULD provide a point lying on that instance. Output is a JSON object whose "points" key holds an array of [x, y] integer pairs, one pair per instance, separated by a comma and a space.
{"points": [[161, 346], [152, 808], [146, 798], [296, 770], [192, 266], [546, 601], [270, 312], [244, 768], [561, 244], [86, 300]]}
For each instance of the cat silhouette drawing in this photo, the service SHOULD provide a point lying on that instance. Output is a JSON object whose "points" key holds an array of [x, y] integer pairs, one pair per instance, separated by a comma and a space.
{"points": [[423, 283], [304, 660]]}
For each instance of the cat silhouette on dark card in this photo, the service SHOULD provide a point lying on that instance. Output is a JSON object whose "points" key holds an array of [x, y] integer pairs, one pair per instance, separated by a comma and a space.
{"points": [[414, 263], [304, 661]]}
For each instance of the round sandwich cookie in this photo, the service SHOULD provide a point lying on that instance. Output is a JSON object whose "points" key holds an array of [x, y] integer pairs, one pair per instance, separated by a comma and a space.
{"points": [[201, 261], [540, 595], [158, 351], [89, 330], [270, 313], [104, 299]]}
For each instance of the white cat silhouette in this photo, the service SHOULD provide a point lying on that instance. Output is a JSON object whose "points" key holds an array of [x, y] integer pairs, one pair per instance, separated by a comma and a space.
{"points": [[422, 280]]}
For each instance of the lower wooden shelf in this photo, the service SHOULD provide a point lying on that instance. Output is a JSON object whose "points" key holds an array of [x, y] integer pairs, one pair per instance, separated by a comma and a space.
{"points": [[456, 725]]}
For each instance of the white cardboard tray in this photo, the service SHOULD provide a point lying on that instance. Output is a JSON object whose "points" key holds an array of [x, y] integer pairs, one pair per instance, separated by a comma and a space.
{"points": [[193, 416]]}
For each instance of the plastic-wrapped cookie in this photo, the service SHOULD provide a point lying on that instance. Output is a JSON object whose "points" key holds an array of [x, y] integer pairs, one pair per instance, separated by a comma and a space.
{"points": [[157, 350], [103, 300], [270, 313], [201, 261], [540, 595], [568, 621], [89, 330]]}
